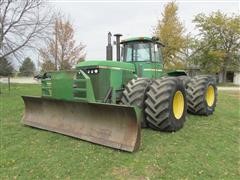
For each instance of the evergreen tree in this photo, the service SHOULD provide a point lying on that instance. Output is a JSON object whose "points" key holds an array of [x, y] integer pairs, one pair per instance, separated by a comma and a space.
{"points": [[27, 68], [6, 68]]}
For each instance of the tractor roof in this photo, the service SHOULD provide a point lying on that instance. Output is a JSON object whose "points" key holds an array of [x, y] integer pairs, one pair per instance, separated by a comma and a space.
{"points": [[137, 39], [146, 39]]}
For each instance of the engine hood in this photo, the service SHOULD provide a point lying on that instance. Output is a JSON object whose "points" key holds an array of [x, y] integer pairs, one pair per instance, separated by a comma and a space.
{"points": [[106, 64]]}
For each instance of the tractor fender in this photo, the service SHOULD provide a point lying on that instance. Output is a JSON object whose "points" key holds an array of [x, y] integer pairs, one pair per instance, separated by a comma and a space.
{"points": [[176, 73]]}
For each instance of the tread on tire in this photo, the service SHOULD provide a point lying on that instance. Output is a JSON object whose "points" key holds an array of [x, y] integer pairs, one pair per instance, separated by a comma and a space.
{"points": [[134, 94], [159, 104], [196, 95]]}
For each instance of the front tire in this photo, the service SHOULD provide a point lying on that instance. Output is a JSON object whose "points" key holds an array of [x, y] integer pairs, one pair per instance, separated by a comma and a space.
{"points": [[134, 94], [166, 104]]}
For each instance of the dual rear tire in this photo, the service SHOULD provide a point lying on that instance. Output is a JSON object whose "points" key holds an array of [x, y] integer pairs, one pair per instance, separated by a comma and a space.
{"points": [[165, 101]]}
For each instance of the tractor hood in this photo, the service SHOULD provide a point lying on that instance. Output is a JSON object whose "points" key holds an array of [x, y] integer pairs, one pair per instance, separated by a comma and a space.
{"points": [[106, 65]]}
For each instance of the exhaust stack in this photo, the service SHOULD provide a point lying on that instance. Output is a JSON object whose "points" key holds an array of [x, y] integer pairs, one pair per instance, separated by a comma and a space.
{"points": [[109, 50], [118, 46]]}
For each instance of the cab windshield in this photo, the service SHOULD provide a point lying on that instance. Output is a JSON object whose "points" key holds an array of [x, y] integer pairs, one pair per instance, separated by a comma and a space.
{"points": [[137, 52]]}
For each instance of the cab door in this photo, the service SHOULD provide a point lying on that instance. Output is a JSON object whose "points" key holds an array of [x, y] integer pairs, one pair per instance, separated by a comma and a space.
{"points": [[157, 60]]}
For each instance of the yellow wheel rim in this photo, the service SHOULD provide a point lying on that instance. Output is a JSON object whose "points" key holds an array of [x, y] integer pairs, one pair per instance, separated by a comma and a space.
{"points": [[210, 95], [178, 104]]}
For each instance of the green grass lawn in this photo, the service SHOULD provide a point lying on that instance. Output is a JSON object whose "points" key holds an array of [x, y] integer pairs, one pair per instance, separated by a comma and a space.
{"points": [[207, 147]]}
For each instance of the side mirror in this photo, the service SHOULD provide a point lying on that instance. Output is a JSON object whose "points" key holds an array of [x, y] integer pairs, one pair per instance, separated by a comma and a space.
{"points": [[39, 76], [155, 48], [122, 52]]}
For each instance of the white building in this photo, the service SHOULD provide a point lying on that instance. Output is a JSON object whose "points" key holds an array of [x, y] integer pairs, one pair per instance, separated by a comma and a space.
{"points": [[236, 78], [232, 77]]}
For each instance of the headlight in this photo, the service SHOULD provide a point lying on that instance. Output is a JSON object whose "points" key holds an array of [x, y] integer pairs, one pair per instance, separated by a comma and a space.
{"points": [[92, 71]]}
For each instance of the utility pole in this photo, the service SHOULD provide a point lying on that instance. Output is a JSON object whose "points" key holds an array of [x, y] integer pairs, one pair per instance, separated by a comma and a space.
{"points": [[56, 45], [38, 64]]}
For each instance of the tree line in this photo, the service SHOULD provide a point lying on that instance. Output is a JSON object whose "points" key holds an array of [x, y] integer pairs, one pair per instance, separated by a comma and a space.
{"points": [[27, 68], [214, 49], [32, 25]]}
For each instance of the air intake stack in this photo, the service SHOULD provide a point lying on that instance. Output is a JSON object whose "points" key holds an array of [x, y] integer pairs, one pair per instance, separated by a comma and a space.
{"points": [[118, 46]]}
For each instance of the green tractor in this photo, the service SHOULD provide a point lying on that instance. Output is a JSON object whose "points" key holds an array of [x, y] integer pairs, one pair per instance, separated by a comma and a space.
{"points": [[107, 102]]}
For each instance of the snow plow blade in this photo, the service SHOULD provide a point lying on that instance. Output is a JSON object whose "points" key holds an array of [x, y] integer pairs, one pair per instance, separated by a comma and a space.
{"points": [[110, 125]]}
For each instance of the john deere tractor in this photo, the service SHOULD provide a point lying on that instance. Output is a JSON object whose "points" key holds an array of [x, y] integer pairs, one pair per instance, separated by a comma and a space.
{"points": [[107, 102]]}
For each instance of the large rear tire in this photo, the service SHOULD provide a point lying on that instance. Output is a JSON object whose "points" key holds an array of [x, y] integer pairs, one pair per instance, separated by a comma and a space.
{"points": [[134, 94], [166, 104], [202, 95]]}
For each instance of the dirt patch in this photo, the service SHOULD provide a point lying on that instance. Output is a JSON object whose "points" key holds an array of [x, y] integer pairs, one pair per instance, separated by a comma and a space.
{"points": [[121, 171], [126, 173], [152, 169]]}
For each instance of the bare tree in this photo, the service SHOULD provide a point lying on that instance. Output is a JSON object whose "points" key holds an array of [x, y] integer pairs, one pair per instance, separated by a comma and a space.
{"points": [[62, 50], [23, 24]]}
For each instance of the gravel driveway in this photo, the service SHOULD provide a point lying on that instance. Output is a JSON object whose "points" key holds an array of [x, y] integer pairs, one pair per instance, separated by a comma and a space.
{"points": [[229, 88], [21, 80]]}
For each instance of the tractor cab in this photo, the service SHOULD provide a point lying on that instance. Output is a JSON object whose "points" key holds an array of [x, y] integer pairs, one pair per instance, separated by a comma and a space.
{"points": [[141, 49], [145, 54]]}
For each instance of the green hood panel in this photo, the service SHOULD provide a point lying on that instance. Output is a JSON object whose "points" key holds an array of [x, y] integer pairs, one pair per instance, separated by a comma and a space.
{"points": [[107, 64]]}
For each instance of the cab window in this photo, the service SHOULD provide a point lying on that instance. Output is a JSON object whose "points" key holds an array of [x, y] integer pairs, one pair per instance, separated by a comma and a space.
{"points": [[156, 53], [137, 52]]}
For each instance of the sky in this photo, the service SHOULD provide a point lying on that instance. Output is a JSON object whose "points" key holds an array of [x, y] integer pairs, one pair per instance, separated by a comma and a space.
{"points": [[93, 20]]}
